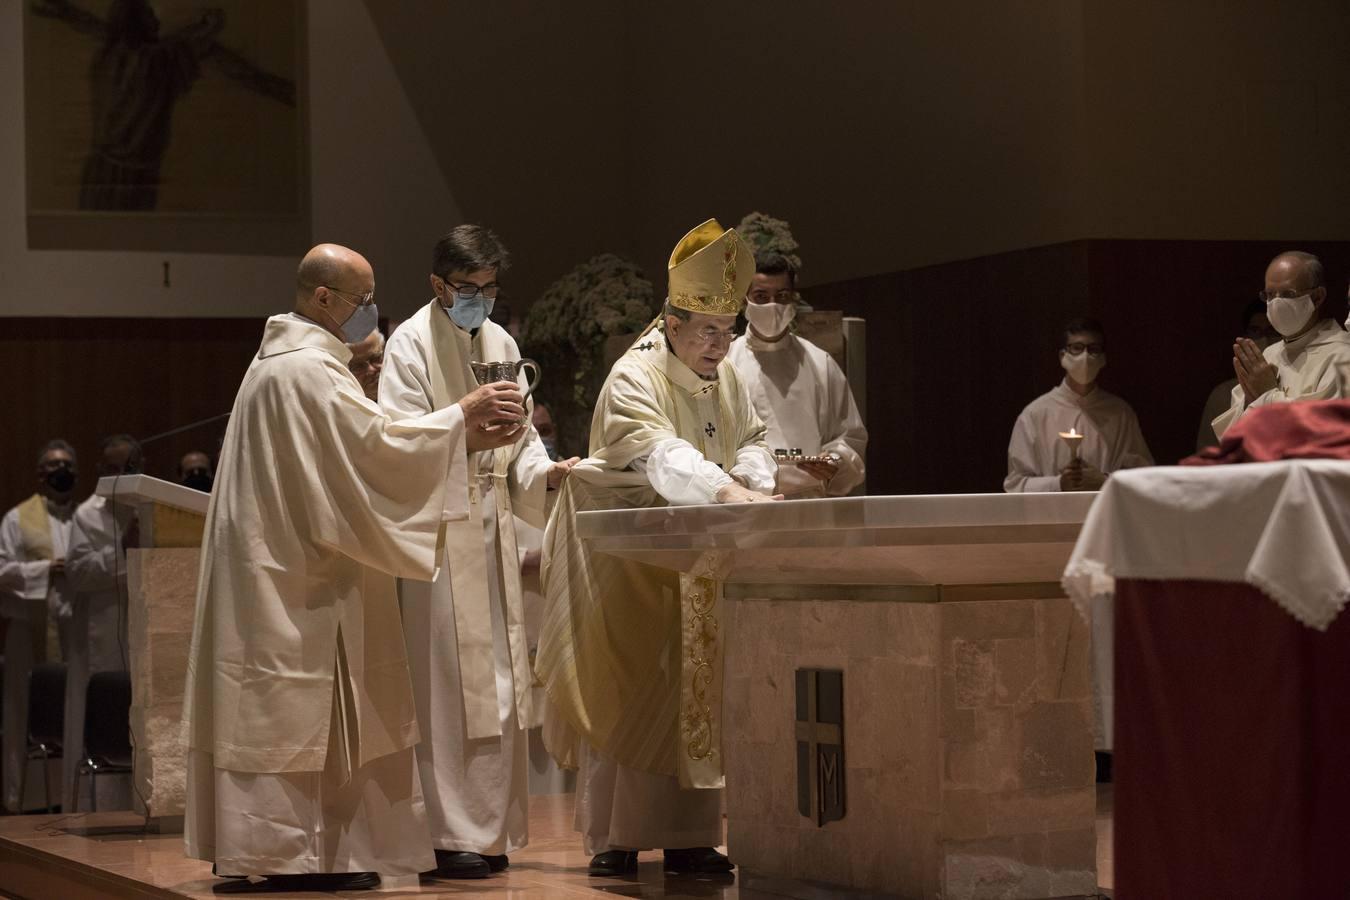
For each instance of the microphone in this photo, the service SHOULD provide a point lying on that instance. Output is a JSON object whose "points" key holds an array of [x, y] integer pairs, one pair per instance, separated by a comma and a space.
{"points": [[180, 429]]}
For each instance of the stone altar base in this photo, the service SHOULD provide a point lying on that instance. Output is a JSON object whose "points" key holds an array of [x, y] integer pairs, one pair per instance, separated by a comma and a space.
{"points": [[968, 753]]}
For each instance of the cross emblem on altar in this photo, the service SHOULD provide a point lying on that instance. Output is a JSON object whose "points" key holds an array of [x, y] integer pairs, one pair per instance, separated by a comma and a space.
{"points": [[820, 744], [710, 429]]}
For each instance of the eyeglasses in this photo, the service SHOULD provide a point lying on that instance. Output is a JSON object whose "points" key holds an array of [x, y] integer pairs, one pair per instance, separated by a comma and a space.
{"points": [[777, 297], [716, 335], [1078, 347], [1287, 294], [361, 299], [471, 290]]}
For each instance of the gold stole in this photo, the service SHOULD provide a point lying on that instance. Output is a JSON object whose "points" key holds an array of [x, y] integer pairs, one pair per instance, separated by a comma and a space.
{"points": [[451, 379], [36, 527]]}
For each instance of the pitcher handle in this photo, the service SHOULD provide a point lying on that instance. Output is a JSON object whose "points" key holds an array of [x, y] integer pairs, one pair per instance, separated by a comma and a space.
{"points": [[530, 385]]}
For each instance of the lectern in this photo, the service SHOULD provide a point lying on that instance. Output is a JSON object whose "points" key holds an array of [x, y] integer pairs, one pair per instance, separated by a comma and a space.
{"points": [[161, 594]]}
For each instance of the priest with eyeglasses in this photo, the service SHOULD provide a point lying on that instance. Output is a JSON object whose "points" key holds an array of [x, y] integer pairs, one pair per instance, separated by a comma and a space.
{"points": [[623, 643]]}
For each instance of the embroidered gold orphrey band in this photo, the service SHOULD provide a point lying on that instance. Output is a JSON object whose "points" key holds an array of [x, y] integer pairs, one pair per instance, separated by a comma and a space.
{"points": [[701, 654]]}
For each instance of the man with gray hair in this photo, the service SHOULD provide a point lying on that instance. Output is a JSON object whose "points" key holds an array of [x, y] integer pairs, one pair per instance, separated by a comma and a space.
{"points": [[34, 594], [1302, 366]]}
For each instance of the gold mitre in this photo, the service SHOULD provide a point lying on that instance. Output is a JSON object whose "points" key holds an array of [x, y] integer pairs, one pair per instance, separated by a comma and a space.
{"points": [[710, 270]]}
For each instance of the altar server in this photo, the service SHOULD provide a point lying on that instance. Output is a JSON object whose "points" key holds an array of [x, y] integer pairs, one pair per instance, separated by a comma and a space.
{"points": [[798, 389], [1302, 366], [299, 710], [673, 424], [96, 565], [1039, 460], [466, 630], [34, 597]]}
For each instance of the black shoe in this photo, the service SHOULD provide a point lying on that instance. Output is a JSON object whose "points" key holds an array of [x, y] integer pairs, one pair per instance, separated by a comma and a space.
{"points": [[461, 864], [318, 882], [613, 862], [697, 860], [497, 863], [216, 873]]}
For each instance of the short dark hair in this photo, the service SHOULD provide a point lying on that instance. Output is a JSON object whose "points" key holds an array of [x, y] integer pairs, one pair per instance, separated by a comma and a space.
{"points": [[134, 457], [1081, 325], [771, 262], [57, 444], [469, 248]]}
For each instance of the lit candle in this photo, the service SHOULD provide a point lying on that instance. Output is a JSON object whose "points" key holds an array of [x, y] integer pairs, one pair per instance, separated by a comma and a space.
{"points": [[1074, 439]]}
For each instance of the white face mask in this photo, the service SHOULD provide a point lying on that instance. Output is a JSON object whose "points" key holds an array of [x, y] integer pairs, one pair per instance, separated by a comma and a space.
{"points": [[770, 319], [1290, 314], [1082, 367]]}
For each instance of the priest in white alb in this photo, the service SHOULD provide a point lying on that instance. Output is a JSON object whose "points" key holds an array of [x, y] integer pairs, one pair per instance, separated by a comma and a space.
{"points": [[798, 389], [466, 630], [34, 604], [298, 711], [96, 567], [1039, 460], [1305, 364], [629, 655]]}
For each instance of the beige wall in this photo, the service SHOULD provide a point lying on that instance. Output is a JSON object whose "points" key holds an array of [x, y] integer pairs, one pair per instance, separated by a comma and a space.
{"points": [[892, 135]]}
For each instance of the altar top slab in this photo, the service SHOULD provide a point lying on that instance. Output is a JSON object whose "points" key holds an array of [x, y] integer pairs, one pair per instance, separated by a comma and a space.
{"points": [[919, 539]]}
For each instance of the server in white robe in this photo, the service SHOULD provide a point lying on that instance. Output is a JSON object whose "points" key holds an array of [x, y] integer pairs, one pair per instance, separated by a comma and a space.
{"points": [[1302, 366], [96, 566], [798, 389], [1039, 460], [466, 630], [298, 710], [673, 424], [35, 603]]}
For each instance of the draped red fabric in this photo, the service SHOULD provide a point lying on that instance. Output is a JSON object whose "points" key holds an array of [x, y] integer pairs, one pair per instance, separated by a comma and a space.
{"points": [[1316, 429], [1232, 732]]}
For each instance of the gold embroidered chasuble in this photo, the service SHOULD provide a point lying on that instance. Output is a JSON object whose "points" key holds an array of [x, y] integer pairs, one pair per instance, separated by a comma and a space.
{"points": [[631, 655]]}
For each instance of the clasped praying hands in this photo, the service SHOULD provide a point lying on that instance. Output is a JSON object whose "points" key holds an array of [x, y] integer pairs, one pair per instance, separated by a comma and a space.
{"points": [[1254, 373]]}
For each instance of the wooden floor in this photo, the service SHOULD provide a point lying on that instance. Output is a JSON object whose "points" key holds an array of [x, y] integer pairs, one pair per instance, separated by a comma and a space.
{"points": [[103, 856]]}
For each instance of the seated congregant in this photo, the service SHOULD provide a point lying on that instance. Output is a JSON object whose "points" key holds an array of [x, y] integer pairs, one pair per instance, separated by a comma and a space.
{"points": [[1302, 366], [194, 471], [1039, 460]]}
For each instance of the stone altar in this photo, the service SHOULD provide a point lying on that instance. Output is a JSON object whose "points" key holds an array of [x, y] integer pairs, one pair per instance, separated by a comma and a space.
{"points": [[967, 707]]}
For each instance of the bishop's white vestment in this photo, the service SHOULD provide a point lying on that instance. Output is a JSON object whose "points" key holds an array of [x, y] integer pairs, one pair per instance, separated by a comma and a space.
{"points": [[1112, 441], [804, 399], [466, 630], [299, 710], [622, 643], [1306, 368]]}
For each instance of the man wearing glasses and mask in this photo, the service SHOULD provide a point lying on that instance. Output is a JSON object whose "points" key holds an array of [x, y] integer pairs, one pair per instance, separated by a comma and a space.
{"points": [[1038, 460], [673, 424], [299, 710], [465, 631], [34, 596], [798, 389], [1301, 366]]}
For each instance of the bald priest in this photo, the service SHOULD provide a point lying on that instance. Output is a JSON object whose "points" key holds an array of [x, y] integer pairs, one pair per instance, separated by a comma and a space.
{"points": [[299, 706]]}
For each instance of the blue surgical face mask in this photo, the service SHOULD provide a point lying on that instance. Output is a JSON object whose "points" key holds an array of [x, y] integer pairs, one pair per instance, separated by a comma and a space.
{"points": [[469, 314], [360, 324]]}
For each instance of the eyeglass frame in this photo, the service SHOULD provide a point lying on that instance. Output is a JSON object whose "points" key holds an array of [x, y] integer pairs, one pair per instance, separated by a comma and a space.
{"points": [[1286, 294], [367, 298], [478, 289], [1089, 349]]}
